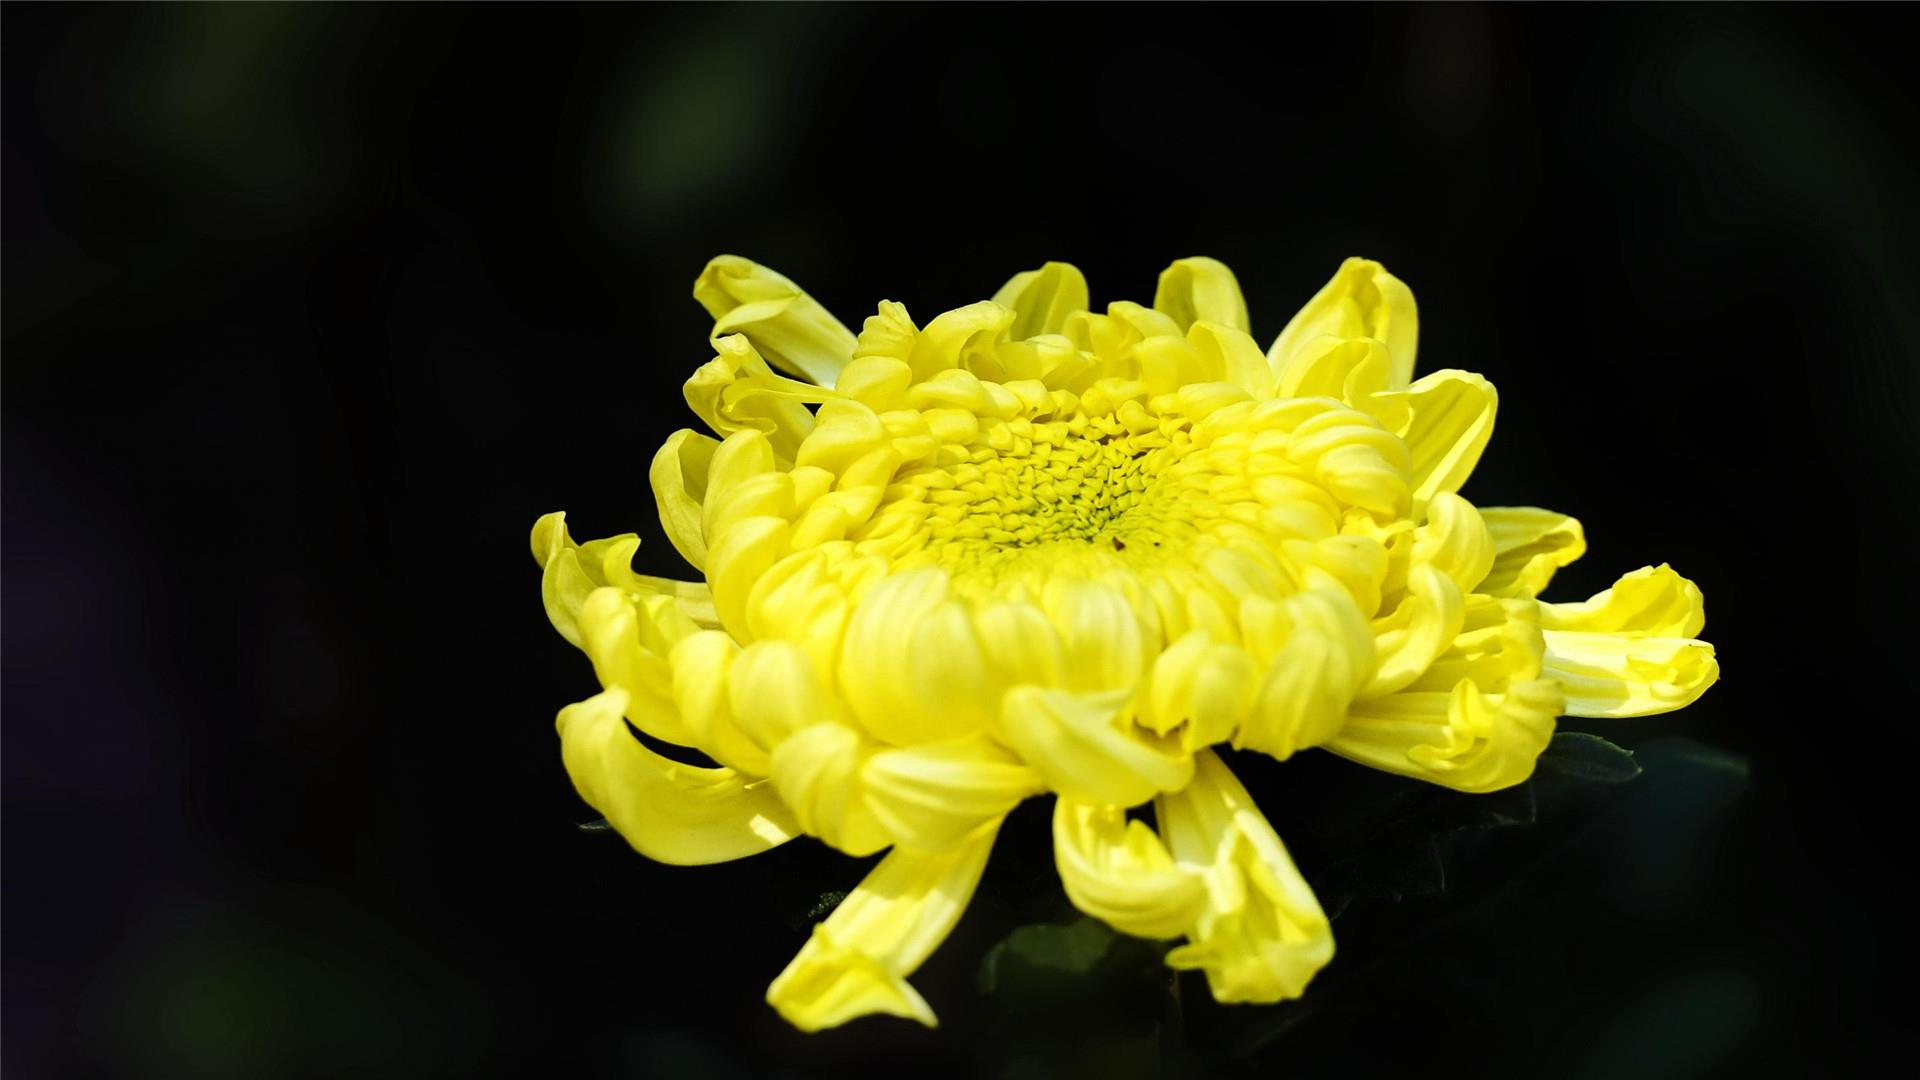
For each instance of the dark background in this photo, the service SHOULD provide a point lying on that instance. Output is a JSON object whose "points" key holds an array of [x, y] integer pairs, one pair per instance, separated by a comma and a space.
{"points": [[310, 311]]}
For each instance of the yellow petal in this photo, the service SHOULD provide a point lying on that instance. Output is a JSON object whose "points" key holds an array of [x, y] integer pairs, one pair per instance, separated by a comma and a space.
{"points": [[693, 598], [1239, 360], [889, 334], [679, 478], [1630, 650], [1346, 370], [1261, 934], [1145, 322], [1318, 652], [736, 391], [1200, 288], [628, 640], [1467, 740], [668, 811], [1454, 541], [817, 771], [1362, 301], [1628, 675], [1043, 299], [1529, 544], [931, 797], [736, 562], [1021, 644], [1086, 747], [1423, 626], [1653, 601], [565, 579], [1499, 645], [702, 667], [1119, 872], [1451, 420], [572, 571], [905, 630], [954, 338], [773, 692], [1101, 632], [786, 325], [857, 960], [1206, 685]]}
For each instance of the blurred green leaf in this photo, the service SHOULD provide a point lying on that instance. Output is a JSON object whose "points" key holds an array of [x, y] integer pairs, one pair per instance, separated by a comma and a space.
{"points": [[1580, 756], [1076, 999], [1048, 960]]}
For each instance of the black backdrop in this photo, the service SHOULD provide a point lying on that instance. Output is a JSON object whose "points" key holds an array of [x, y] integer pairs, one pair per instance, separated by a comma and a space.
{"points": [[309, 311]]}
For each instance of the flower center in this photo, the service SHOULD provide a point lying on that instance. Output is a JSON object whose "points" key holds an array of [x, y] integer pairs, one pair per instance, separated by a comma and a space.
{"points": [[1231, 496], [1056, 499]]}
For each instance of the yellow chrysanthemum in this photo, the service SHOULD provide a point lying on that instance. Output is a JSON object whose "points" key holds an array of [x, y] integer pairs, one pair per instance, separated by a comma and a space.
{"points": [[1028, 549]]}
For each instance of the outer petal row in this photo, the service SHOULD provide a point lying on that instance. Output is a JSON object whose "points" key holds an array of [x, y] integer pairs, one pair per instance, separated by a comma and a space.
{"points": [[668, 811], [1529, 545], [569, 572], [1362, 301], [1221, 878], [857, 962], [1261, 935], [1631, 650], [786, 325]]}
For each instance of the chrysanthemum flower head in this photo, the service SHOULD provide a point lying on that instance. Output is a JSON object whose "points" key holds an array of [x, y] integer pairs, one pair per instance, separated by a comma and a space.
{"points": [[1028, 549]]}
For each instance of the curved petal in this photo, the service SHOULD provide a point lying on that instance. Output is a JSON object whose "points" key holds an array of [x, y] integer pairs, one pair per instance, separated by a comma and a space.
{"points": [[773, 691], [736, 391], [1261, 936], [857, 960], [1630, 650], [693, 598], [817, 771], [669, 812], [629, 640], [1345, 370], [1454, 541], [1419, 630], [1086, 747], [1451, 420], [1467, 740], [931, 797], [702, 664], [1529, 544], [789, 327], [1119, 872], [1362, 301], [1499, 644], [736, 563], [1318, 651], [569, 573], [1616, 675], [679, 481], [1653, 601], [1199, 288], [1235, 355], [955, 338], [1043, 299], [1201, 687], [1104, 637], [877, 658]]}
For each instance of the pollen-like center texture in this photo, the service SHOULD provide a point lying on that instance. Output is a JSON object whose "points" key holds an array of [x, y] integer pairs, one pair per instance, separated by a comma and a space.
{"points": [[1144, 491]]}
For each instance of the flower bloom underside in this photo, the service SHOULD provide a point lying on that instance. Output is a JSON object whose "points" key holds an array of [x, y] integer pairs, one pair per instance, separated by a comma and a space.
{"points": [[1032, 549]]}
